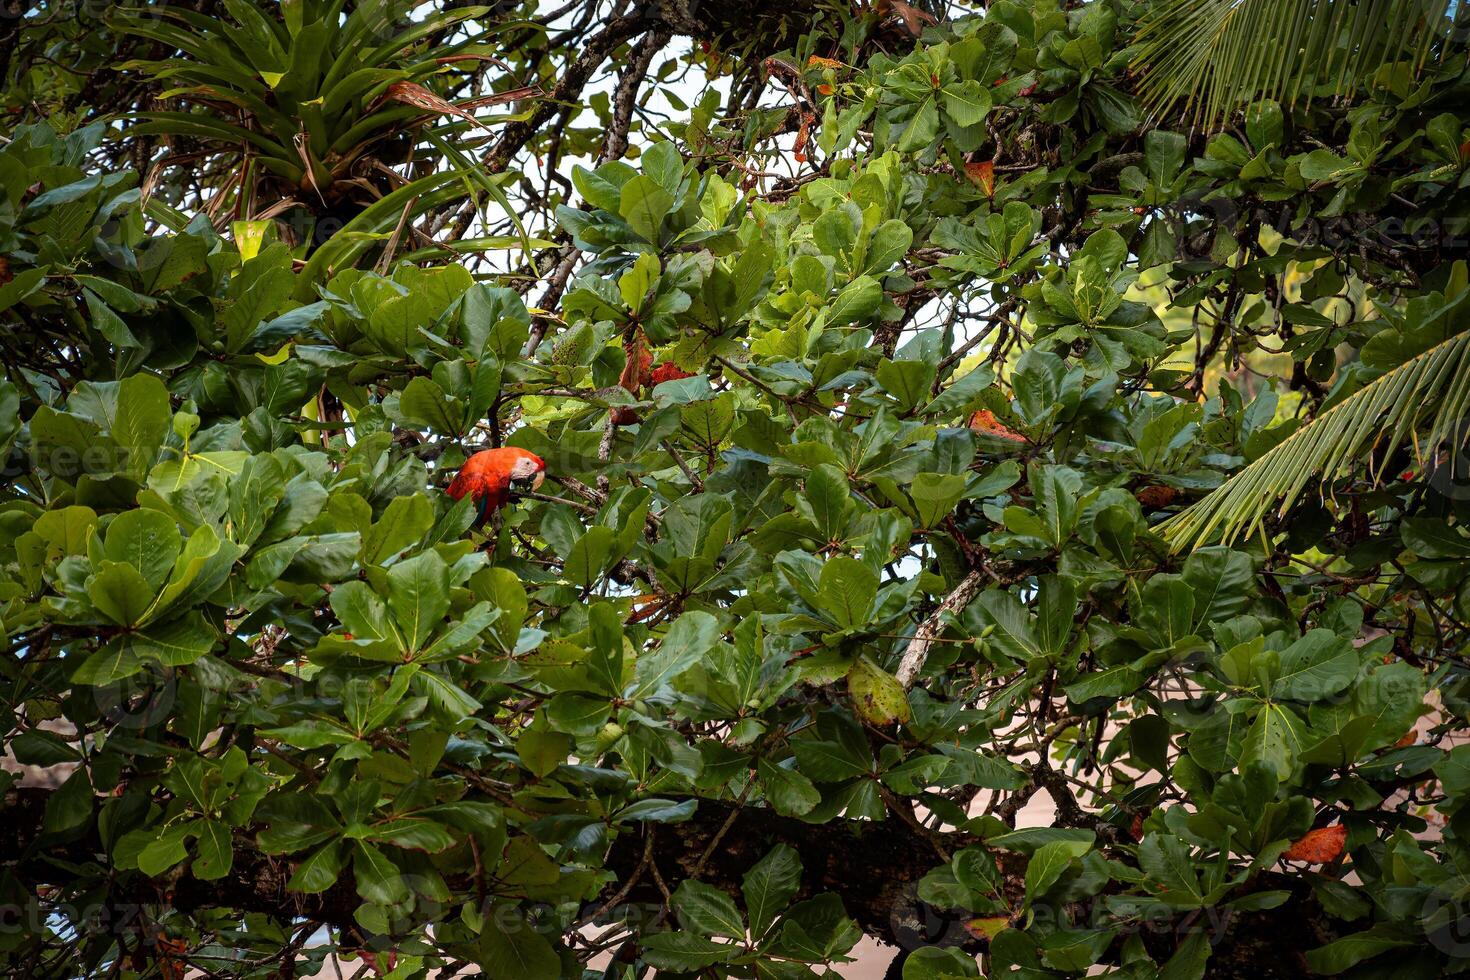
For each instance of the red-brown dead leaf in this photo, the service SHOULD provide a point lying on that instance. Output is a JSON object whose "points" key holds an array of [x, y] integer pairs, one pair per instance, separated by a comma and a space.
{"points": [[1155, 496], [667, 371], [500, 98], [414, 94], [985, 421], [1319, 846]]}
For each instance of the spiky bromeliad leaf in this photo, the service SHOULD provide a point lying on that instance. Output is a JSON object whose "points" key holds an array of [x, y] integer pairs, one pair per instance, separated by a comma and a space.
{"points": [[1216, 55], [1428, 393]]}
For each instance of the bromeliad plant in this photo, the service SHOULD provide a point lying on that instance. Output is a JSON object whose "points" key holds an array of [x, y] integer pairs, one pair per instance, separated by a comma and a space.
{"points": [[320, 102]]}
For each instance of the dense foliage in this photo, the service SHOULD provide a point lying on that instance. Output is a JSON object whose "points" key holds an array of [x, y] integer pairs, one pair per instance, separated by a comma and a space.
{"points": [[870, 416]]}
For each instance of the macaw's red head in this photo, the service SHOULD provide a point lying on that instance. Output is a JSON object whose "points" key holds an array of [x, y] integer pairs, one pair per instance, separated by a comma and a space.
{"points": [[490, 477]]}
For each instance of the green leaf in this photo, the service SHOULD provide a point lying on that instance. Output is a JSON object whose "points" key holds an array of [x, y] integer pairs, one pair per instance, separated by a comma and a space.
{"points": [[418, 598], [643, 204], [967, 103], [769, 886], [683, 952], [935, 496], [1166, 860], [922, 129], [938, 963], [906, 381], [378, 879], [1047, 865], [791, 794], [706, 910], [683, 645], [543, 751], [512, 950], [177, 643], [214, 851], [845, 591], [114, 661], [148, 540], [1347, 952]]}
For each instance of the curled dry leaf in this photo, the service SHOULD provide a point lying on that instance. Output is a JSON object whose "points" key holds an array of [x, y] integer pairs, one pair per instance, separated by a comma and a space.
{"points": [[638, 360], [914, 20], [414, 94], [803, 135]]}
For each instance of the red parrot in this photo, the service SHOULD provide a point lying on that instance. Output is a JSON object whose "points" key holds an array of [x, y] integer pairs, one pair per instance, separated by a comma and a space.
{"points": [[490, 476]]}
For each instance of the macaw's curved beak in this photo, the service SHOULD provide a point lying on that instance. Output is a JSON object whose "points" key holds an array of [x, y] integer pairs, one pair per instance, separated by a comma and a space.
{"points": [[528, 484]]}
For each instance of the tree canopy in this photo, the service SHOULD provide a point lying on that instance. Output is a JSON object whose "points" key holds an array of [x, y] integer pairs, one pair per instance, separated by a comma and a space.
{"points": [[990, 509]]}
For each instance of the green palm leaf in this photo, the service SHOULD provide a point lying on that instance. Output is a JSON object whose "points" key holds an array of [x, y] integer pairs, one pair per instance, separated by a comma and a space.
{"points": [[1428, 392], [1215, 55]]}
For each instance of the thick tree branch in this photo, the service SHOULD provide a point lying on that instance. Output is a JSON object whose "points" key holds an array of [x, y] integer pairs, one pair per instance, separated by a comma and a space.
{"points": [[517, 134]]}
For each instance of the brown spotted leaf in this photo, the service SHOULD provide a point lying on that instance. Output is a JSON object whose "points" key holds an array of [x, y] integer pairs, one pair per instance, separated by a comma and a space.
{"points": [[877, 695]]}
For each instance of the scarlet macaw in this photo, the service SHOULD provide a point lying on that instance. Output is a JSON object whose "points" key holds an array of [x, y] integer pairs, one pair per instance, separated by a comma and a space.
{"points": [[492, 475]]}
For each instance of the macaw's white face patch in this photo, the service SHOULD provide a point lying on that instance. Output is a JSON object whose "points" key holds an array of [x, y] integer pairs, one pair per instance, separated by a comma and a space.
{"points": [[524, 469]]}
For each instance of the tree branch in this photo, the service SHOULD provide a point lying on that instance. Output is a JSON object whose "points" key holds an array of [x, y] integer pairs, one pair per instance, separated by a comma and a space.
{"points": [[928, 631]]}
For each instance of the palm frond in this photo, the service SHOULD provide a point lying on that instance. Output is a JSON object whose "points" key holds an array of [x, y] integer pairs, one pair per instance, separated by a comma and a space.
{"points": [[1212, 56], [1428, 393]]}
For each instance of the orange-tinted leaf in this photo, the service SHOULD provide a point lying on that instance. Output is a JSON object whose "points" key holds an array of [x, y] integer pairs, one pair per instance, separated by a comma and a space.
{"points": [[982, 175], [816, 61], [985, 421], [987, 927], [1319, 846]]}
